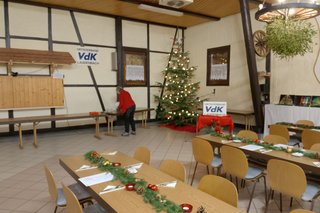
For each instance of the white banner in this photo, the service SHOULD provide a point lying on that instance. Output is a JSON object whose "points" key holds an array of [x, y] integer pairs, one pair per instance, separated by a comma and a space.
{"points": [[87, 56], [214, 108]]}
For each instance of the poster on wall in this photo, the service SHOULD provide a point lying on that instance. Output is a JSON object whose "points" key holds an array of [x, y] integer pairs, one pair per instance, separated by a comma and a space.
{"points": [[87, 55]]}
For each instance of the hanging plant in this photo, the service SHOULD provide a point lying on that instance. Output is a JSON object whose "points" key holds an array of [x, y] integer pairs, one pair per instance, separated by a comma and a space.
{"points": [[288, 38]]}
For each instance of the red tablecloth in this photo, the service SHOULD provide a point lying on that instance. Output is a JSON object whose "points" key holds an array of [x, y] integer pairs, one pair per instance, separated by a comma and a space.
{"points": [[205, 120]]}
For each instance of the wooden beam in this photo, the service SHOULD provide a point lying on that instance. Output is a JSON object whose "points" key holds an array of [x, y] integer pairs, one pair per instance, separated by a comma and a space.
{"points": [[252, 65]]}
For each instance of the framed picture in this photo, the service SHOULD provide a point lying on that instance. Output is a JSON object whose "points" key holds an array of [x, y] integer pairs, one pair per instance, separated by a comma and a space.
{"points": [[135, 66], [218, 66]]}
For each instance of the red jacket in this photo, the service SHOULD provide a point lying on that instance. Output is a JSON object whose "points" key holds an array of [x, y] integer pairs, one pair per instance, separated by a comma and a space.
{"points": [[125, 101]]}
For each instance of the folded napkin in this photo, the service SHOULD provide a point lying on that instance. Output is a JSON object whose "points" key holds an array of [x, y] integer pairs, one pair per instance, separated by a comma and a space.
{"points": [[85, 167], [111, 189], [265, 150], [110, 153], [133, 169], [169, 184], [226, 141], [317, 164]]}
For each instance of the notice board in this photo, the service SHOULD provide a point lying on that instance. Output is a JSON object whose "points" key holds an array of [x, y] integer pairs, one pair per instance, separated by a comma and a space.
{"points": [[30, 91]]}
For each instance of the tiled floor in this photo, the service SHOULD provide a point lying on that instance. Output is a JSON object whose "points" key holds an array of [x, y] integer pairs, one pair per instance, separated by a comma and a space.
{"points": [[23, 187]]}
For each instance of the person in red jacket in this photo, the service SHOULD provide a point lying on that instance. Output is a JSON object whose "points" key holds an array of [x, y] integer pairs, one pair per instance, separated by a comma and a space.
{"points": [[126, 107]]}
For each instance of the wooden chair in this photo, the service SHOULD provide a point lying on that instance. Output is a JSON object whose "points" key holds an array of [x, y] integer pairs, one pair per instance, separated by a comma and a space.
{"points": [[301, 211], [142, 154], [315, 147], [309, 137], [203, 153], [73, 205], [57, 194], [220, 188], [289, 179], [173, 168], [305, 122], [275, 139], [235, 163], [297, 135], [247, 134], [281, 130]]}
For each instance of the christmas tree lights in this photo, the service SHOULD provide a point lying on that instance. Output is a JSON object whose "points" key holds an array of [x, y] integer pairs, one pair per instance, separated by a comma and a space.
{"points": [[179, 102]]}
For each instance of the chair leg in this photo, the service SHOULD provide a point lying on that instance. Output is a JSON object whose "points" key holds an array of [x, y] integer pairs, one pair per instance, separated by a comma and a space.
{"points": [[268, 199], [208, 170], [265, 188], [194, 172], [280, 202], [272, 194], [55, 209], [251, 195], [218, 171], [312, 205], [291, 200]]}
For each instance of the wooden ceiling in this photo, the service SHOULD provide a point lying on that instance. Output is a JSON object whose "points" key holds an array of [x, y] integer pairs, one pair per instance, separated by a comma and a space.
{"points": [[200, 11]]}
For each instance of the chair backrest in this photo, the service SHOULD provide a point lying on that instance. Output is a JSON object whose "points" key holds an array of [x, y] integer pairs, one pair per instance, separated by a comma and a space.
{"points": [[202, 151], [276, 129], [309, 137], [73, 205], [142, 154], [220, 188], [234, 161], [305, 122], [247, 134], [52, 187], [275, 139], [315, 147], [292, 182], [301, 211], [174, 168]]}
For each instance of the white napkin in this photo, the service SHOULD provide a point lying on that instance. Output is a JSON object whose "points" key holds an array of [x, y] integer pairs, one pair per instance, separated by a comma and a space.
{"points": [[226, 141], [237, 141], [110, 188], [133, 169], [317, 164], [169, 184], [110, 153], [85, 167]]}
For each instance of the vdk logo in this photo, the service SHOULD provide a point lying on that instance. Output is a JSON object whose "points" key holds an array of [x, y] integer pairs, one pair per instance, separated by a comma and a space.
{"points": [[87, 56], [214, 108]]}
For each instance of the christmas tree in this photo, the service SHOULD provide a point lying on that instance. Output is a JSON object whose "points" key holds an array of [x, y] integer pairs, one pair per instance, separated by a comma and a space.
{"points": [[179, 102]]}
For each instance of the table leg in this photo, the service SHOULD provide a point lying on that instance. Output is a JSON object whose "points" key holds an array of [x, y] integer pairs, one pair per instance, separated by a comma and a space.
{"points": [[246, 122], [110, 127], [144, 119], [97, 135], [20, 136], [35, 144]]}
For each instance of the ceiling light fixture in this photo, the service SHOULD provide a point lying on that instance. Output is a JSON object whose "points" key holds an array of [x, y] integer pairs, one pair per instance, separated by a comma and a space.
{"points": [[295, 10], [160, 10]]}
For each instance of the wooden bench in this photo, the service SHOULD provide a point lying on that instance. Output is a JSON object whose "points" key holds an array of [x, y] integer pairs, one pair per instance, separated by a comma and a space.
{"points": [[37, 119], [112, 114]]}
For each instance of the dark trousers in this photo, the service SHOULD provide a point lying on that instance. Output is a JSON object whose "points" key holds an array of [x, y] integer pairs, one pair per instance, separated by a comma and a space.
{"points": [[129, 119]]}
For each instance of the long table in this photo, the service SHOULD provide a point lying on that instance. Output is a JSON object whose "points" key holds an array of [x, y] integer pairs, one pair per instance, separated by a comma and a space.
{"points": [[35, 120], [112, 115], [126, 201], [304, 162]]}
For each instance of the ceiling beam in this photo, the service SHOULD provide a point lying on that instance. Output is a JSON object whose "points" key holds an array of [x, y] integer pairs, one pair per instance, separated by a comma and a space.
{"points": [[200, 15]]}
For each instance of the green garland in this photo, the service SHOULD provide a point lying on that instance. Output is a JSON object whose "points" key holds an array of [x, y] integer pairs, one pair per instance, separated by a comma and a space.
{"points": [[299, 125], [149, 192], [266, 145]]}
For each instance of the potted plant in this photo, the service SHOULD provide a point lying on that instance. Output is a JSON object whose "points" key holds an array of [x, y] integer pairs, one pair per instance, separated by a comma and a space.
{"points": [[289, 37]]}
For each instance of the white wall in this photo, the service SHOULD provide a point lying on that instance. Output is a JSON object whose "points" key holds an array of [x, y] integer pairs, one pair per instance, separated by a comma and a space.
{"points": [[295, 76], [97, 32]]}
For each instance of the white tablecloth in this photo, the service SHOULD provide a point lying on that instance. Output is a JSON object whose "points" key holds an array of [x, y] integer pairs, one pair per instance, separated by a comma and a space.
{"points": [[290, 114]]}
